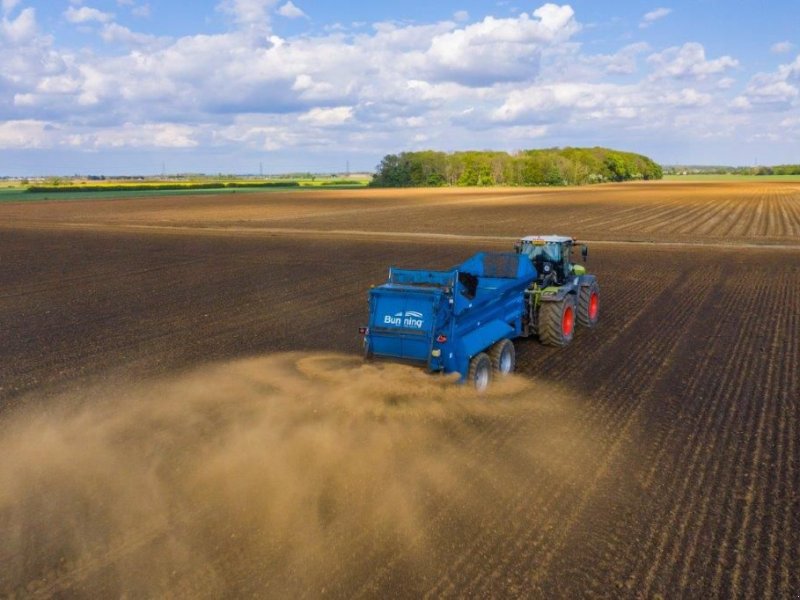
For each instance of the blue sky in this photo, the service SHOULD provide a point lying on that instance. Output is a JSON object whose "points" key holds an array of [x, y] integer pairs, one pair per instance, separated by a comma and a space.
{"points": [[134, 86]]}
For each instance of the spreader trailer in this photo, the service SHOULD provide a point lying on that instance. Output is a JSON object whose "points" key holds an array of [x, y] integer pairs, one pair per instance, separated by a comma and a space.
{"points": [[465, 320]]}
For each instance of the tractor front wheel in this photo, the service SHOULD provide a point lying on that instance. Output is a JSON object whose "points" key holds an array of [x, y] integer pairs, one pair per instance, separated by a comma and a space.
{"points": [[503, 357], [557, 322], [589, 305], [480, 371]]}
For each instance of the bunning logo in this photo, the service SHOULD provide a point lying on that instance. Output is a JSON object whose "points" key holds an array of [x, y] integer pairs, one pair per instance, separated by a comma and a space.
{"points": [[409, 319]]}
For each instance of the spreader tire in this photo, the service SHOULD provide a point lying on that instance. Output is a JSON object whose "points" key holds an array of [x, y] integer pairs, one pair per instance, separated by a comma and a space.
{"points": [[557, 322], [480, 371], [504, 357], [589, 305]]}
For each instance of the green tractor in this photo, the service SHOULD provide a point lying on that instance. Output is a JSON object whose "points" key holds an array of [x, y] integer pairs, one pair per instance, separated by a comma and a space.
{"points": [[563, 293]]}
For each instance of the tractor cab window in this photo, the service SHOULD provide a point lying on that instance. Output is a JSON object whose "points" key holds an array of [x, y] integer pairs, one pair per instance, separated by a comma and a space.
{"points": [[549, 251], [551, 259]]}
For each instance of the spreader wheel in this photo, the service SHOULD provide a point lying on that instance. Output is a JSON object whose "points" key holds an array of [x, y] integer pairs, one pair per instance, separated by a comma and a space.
{"points": [[504, 357], [589, 305], [480, 371], [557, 322]]}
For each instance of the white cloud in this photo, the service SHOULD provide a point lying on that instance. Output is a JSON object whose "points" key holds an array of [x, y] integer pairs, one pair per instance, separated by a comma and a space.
{"points": [[770, 90], [137, 10], [688, 62], [328, 116], [461, 16], [493, 82], [143, 10], [526, 133], [21, 29], [687, 97], [262, 132], [248, 14], [782, 47], [530, 104], [85, 14], [148, 135], [654, 15], [9, 5], [632, 103], [38, 134], [779, 90], [25, 134], [290, 11], [622, 62], [741, 103], [312, 90], [499, 49], [116, 33], [58, 84]]}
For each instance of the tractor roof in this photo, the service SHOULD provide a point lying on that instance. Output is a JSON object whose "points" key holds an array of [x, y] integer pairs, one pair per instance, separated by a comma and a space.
{"points": [[547, 238]]}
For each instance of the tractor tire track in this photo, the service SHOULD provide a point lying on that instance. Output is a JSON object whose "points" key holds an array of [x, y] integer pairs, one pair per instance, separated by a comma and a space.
{"points": [[588, 417], [623, 380], [681, 312]]}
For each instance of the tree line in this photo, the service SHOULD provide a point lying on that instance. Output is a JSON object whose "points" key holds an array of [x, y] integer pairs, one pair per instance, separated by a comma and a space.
{"points": [[553, 166], [760, 170]]}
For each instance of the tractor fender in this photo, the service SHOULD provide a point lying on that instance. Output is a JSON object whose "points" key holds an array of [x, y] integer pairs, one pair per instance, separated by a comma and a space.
{"points": [[586, 280], [557, 294]]}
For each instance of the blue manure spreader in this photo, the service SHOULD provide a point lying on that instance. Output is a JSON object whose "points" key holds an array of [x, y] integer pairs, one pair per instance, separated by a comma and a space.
{"points": [[465, 320]]}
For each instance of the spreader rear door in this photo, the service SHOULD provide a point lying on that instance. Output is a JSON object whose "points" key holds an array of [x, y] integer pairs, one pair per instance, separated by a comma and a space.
{"points": [[401, 322]]}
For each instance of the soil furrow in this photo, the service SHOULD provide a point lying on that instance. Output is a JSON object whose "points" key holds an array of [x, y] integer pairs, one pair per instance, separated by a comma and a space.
{"points": [[624, 382], [750, 523], [666, 538]]}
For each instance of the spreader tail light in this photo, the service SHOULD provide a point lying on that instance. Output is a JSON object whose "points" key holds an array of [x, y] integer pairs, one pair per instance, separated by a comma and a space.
{"points": [[363, 330], [441, 339]]}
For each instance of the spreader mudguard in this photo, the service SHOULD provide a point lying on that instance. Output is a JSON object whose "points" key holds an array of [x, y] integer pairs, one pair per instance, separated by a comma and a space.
{"points": [[484, 336]]}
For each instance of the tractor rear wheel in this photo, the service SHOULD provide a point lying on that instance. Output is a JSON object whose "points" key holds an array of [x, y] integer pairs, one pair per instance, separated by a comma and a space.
{"points": [[504, 357], [589, 305], [557, 322], [480, 371]]}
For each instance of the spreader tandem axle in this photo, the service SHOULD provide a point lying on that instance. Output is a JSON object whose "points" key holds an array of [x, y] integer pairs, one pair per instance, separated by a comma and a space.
{"points": [[465, 320]]}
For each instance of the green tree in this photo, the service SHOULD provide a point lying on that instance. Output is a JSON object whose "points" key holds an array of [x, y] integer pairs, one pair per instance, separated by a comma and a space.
{"points": [[547, 166]]}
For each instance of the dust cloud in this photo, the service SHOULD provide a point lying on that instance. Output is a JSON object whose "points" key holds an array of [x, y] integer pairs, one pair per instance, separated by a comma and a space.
{"points": [[291, 474]]}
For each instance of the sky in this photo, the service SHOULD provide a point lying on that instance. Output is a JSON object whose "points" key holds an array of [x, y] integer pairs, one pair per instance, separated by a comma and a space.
{"points": [[242, 86]]}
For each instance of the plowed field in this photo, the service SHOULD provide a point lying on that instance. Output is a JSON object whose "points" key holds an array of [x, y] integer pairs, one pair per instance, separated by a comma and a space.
{"points": [[184, 411], [690, 213]]}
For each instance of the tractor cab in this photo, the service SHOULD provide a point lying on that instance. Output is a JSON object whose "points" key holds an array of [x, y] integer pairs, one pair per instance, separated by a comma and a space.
{"points": [[552, 257]]}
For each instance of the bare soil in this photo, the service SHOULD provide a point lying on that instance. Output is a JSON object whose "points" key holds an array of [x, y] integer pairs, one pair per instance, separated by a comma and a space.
{"points": [[167, 340], [744, 212]]}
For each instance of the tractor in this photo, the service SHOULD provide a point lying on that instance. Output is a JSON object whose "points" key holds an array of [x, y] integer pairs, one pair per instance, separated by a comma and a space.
{"points": [[465, 319], [562, 294]]}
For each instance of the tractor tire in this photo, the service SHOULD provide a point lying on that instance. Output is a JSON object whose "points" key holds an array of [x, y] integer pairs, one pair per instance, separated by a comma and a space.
{"points": [[504, 357], [589, 305], [557, 322], [480, 372]]}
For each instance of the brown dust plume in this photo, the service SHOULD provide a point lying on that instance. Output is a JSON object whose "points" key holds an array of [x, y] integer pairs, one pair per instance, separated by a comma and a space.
{"points": [[286, 475]]}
